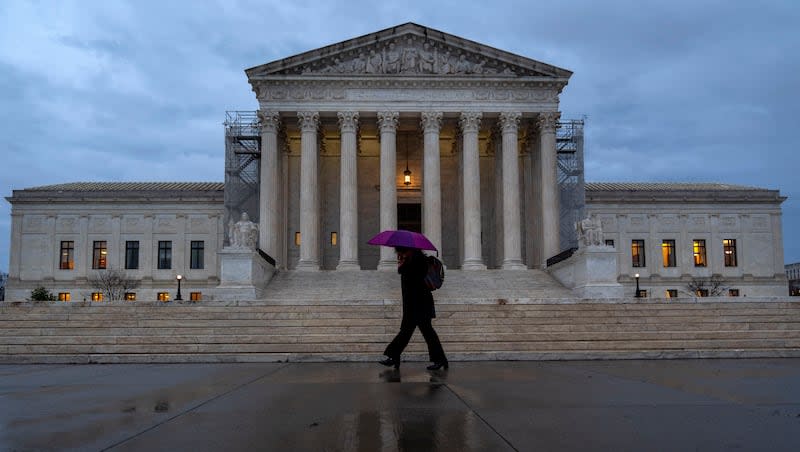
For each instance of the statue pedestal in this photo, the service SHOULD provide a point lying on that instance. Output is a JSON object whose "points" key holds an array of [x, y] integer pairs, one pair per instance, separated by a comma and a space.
{"points": [[591, 272], [243, 274]]}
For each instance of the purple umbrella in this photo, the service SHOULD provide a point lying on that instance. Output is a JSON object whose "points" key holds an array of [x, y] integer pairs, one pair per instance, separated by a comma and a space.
{"points": [[408, 239]]}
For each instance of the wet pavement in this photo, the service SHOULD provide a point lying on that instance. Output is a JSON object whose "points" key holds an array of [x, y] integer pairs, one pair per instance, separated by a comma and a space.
{"points": [[669, 405]]}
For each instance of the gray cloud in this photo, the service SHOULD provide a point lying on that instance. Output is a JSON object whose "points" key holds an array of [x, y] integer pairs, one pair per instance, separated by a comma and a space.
{"points": [[672, 91]]}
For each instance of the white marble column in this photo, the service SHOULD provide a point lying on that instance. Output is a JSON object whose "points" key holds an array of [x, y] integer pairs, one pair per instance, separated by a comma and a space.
{"points": [[269, 191], [309, 191], [512, 240], [387, 123], [470, 123], [348, 193], [548, 162], [431, 184]]}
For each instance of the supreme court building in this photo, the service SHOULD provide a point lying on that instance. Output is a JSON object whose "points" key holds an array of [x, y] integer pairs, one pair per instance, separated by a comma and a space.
{"points": [[410, 128]]}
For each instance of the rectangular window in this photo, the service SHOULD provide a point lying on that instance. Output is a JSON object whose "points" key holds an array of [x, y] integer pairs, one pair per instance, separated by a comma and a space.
{"points": [[730, 252], [637, 253], [164, 254], [67, 255], [297, 238], [702, 292], [131, 254], [163, 296], [97, 296], [642, 293], [99, 254], [195, 296], [699, 252], [196, 258], [610, 242], [733, 292], [334, 238], [668, 252], [64, 296], [672, 293], [130, 296]]}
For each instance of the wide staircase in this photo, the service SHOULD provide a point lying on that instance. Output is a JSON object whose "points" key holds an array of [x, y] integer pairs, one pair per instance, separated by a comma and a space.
{"points": [[351, 317]]}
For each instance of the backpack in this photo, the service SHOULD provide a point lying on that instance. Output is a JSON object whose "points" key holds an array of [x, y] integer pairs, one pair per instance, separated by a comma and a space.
{"points": [[435, 276]]}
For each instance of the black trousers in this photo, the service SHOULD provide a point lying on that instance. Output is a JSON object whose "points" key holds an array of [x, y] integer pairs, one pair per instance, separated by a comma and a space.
{"points": [[398, 344]]}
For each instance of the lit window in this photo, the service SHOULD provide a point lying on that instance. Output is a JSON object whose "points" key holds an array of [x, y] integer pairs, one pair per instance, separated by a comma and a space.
{"points": [[196, 257], [733, 292], [131, 254], [702, 292], [163, 296], [699, 252], [637, 253], [64, 296], [130, 296], [99, 255], [297, 238], [729, 246], [97, 296], [164, 254], [668, 252], [672, 293], [195, 296], [642, 293], [610, 242], [334, 238], [67, 255]]}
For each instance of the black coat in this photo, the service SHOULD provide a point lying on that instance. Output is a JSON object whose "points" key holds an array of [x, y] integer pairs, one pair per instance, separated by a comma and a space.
{"points": [[417, 298]]}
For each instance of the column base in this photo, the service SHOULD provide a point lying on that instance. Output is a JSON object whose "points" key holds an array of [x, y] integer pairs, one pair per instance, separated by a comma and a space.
{"points": [[473, 264], [514, 264], [348, 266], [307, 266], [387, 266]]}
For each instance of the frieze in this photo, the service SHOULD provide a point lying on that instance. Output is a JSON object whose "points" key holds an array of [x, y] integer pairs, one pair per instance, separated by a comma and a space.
{"points": [[33, 223], [100, 224], [67, 224], [410, 56]]}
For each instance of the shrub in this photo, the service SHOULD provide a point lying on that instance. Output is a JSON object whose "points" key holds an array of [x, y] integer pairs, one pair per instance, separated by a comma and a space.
{"points": [[42, 294]]}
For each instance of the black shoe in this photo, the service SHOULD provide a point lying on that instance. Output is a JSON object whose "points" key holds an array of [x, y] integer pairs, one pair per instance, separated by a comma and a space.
{"points": [[391, 362], [438, 365]]}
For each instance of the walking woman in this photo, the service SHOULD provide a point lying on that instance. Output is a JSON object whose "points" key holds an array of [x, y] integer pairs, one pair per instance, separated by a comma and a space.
{"points": [[418, 310]]}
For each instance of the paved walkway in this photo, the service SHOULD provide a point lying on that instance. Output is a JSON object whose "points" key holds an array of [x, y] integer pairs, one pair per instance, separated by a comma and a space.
{"points": [[679, 405]]}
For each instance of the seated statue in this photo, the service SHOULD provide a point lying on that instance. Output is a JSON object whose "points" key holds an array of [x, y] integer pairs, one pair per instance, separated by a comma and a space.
{"points": [[243, 233], [590, 232]]}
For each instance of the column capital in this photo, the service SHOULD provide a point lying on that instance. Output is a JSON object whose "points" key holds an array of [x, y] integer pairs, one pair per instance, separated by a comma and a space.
{"points": [[269, 120], [387, 120], [348, 121], [431, 121], [548, 120], [509, 121], [308, 120], [470, 121]]}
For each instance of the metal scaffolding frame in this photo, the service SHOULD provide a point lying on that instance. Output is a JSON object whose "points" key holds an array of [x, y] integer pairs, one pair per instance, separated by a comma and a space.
{"points": [[571, 182]]}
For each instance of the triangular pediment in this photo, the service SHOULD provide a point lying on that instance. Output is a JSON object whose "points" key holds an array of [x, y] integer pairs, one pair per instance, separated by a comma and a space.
{"points": [[408, 50]]}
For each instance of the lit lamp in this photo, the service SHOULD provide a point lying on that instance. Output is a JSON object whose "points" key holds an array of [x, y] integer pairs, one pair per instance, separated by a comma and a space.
{"points": [[407, 172], [178, 297], [638, 294]]}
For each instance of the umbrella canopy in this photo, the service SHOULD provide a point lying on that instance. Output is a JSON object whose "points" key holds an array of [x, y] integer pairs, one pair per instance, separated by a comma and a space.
{"points": [[401, 237]]}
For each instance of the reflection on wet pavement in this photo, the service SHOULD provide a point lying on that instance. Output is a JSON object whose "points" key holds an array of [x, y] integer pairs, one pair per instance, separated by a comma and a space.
{"points": [[603, 405]]}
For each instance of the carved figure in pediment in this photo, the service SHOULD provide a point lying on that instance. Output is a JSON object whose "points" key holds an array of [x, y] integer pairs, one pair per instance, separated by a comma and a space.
{"points": [[410, 57], [359, 65], [374, 63], [427, 59], [463, 66], [445, 65], [392, 63]]}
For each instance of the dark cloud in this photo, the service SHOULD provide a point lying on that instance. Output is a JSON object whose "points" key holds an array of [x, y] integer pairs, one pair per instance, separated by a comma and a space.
{"points": [[672, 91]]}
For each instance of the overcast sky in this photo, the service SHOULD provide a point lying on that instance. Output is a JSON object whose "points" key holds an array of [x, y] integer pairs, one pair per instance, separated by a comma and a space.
{"points": [[698, 91]]}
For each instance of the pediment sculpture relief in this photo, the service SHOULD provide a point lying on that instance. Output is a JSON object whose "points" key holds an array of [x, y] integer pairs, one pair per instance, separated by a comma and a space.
{"points": [[410, 57]]}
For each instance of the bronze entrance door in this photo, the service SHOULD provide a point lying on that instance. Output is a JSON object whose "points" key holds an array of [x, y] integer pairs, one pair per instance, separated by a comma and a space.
{"points": [[409, 217]]}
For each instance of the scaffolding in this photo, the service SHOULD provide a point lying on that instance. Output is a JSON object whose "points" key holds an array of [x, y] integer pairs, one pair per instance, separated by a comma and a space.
{"points": [[571, 182], [242, 169]]}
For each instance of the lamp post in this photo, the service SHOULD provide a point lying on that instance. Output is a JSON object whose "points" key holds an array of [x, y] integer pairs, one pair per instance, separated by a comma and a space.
{"points": [[638, 294], [178, 297]]}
